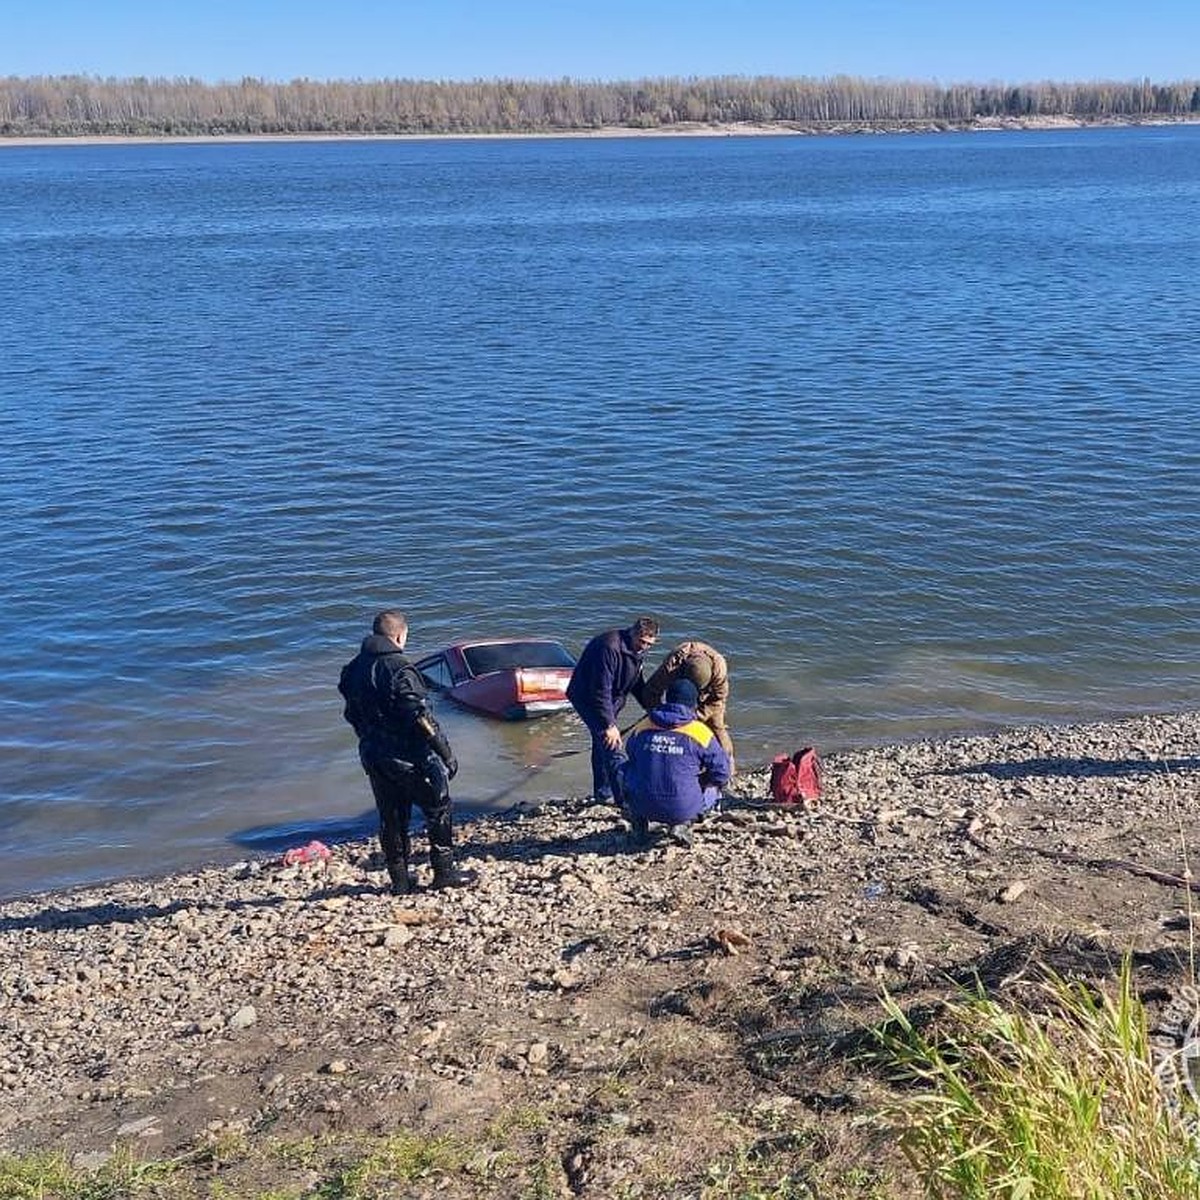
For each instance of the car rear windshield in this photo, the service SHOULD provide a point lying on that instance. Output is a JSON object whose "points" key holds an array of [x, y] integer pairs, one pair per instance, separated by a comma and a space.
{"points": [[504, 656]]}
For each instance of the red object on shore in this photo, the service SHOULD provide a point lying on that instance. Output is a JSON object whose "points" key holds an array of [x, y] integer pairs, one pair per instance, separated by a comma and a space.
{"points": [[312, 853], [796, 778]]}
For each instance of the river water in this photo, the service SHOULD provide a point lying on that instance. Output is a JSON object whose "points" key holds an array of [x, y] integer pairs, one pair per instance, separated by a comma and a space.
{"points": [[905, 425]]}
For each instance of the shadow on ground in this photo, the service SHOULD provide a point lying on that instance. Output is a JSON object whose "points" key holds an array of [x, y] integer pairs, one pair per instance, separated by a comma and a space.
{"points": [[1077, 768]]}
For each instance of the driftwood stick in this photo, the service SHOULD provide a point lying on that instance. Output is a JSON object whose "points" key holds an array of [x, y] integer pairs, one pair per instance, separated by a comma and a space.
{"points": [[1098, 864]]}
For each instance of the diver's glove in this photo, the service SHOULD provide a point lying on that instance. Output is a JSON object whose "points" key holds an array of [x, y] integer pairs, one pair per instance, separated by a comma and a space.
{"points": [[437, 739]]}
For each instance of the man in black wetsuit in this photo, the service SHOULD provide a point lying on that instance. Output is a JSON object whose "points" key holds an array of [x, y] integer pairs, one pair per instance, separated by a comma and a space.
{"points": [[403, 750]]}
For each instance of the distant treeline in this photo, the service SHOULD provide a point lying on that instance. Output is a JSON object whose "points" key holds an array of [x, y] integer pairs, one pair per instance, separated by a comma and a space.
{"points": [[78, 105]]}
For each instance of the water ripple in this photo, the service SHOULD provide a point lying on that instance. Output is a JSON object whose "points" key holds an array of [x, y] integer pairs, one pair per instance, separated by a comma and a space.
{"points": [[905, 425]]}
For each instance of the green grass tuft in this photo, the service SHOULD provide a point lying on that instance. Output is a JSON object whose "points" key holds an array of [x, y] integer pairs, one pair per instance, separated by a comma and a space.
{"points": [[1056, 1100], [49, 1176]]}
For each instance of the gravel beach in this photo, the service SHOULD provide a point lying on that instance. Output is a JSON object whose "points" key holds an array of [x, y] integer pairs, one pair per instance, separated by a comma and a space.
{"points": [[591, 1019]]}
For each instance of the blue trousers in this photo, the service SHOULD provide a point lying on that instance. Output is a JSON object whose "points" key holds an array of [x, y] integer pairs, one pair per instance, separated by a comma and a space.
{"points": [[604, 764]]}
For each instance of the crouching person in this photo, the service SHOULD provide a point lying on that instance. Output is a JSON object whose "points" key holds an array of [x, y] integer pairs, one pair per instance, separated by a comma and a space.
{"points": [[674, 769], [403, 751]]}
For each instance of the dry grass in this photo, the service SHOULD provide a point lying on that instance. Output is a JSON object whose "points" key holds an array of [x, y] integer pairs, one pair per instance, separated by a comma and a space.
{"points": [[1057, 1098]]}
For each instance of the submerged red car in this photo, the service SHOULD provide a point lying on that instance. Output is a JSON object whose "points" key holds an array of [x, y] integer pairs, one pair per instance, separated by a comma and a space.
{"points": [[510, 678]]}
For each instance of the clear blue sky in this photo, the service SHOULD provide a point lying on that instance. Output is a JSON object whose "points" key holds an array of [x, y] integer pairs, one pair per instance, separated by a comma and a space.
{"points": [[945, 41]]}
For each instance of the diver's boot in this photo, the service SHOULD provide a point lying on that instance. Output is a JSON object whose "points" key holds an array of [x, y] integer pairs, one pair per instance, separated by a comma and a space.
{"points": [[403, 881], [445, 873]]}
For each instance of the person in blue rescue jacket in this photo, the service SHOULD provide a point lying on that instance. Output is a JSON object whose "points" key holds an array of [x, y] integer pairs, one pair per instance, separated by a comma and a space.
{"points": [[608, 671], [675, 767]]}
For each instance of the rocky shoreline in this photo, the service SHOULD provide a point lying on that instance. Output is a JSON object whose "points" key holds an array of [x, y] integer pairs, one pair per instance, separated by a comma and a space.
{"points": [[608, 1021]]}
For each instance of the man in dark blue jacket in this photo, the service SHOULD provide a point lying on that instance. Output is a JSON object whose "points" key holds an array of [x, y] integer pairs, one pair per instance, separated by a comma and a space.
{"points": [[403, 751], [675, 769], [608, 671]]}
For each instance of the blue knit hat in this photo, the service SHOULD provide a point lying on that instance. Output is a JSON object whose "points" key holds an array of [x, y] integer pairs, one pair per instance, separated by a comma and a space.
{"points": [[682, 691]]}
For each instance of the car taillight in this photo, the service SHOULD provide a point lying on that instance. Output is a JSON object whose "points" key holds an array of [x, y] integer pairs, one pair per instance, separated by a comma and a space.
{"points": [[534, 684]]}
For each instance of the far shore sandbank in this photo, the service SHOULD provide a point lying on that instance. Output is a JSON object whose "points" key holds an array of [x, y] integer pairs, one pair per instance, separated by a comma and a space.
{"points": [[694, 129]]}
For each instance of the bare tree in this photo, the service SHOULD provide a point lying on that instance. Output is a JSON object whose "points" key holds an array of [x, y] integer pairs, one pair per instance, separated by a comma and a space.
{"points": [[87, 105]]}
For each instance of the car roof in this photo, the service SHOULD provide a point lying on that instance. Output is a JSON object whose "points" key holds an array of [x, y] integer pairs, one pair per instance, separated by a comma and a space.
{"points": [[473, 643], [507, 641]]}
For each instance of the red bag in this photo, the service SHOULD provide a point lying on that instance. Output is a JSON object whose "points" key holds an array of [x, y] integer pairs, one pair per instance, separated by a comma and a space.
{"points": [[314, 852], [796, 778]]}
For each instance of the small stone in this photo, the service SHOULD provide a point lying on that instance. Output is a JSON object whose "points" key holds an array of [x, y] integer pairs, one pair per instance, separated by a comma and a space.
{"points": [[142, 1127], [432, 1035], [91, 1160], [1014, 891], [245, 1016], [902, 957]]}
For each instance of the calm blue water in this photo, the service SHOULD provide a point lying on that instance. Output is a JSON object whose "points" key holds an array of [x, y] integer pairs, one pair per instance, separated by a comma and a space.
{"points": [[906, 425]]}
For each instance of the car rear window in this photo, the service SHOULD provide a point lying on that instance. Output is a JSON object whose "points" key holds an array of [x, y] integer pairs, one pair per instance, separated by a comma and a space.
{"points": [[502, 657]]}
